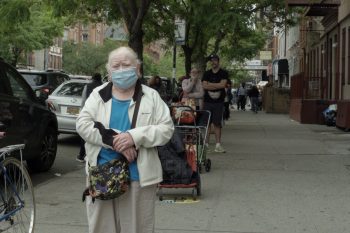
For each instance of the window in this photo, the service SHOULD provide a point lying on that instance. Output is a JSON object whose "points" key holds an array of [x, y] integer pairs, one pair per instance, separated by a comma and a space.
{"points": [[71, 89], [35, 79], [85, 37], [18, 85], [57, 79]]}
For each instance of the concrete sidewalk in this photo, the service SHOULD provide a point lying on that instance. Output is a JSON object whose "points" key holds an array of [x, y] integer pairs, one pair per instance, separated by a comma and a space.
{"points": [[277, 176]]}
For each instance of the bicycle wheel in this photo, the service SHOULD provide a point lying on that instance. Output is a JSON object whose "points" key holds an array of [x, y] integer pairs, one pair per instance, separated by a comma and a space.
{"points": [[22, 220]]}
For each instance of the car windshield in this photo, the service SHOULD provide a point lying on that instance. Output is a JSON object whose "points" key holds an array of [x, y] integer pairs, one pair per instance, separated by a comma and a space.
{"points": [[35, 79], [71, 89]]}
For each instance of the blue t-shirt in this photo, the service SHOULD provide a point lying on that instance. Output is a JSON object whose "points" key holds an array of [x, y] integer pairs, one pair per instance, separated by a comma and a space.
{"points": [[119, 120]]}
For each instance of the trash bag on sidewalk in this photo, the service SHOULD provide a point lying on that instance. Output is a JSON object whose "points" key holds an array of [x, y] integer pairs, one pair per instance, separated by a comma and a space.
{"points": [[330, 115]]}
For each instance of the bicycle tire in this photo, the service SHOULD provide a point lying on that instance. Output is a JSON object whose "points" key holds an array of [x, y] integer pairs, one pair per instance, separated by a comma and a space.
{"points": [[23, 220]]}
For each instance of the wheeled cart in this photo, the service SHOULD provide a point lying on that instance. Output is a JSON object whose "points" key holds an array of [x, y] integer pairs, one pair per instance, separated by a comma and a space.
{"points": [[201, 121], [193, 137]]}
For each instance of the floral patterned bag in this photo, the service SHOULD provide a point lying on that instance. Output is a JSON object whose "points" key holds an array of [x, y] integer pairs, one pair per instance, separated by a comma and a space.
{"points": [[109, 180]]}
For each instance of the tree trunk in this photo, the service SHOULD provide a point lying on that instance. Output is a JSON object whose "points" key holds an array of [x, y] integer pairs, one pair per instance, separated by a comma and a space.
{"points": [[136, 43], [188, 56]]}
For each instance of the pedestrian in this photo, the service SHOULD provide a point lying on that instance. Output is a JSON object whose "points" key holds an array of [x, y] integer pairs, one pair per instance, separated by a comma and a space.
{"points": [[214, 83], [237, 99], [254, 98], [192, 88], [242, 97], [228, 100], [96, 81], [105, 123], [155, 82]]}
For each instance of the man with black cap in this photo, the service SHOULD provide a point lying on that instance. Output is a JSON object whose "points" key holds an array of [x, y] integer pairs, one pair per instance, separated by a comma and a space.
{"points": [[214, 83]]}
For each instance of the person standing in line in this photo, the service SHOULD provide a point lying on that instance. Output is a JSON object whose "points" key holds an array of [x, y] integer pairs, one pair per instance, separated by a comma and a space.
{"points": [[155, 82], [96, 81], [214, 82], [105, 124], [242, 97], [254, 98], [228, 100], [192, 88]]}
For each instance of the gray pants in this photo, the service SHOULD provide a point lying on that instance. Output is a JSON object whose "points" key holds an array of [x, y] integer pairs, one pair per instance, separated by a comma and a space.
{"points": [[133, 212]]}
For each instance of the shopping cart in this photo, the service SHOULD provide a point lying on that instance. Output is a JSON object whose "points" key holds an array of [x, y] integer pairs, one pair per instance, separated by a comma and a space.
{"points": [[192, 135], [199, 119]]}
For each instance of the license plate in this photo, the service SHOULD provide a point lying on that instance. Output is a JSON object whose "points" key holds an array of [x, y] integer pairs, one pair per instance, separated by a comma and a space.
{"points": [[73, 110]]}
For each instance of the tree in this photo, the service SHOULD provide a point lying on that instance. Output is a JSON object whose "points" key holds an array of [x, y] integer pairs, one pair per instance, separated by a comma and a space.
{"points": [[87, 58], [217, 26], [27, 26], [131, 12], [163, 66]]}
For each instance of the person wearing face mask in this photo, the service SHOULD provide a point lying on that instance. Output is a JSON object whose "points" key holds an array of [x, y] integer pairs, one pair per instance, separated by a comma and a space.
{"points": [[192, 88], [105, 124]]}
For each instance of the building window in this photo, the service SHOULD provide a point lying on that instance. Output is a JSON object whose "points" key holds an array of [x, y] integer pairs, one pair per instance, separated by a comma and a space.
{"points": [[85, 37]]}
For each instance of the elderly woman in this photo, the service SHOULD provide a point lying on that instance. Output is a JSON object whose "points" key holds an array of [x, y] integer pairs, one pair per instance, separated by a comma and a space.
{"points": [[110, 108]]}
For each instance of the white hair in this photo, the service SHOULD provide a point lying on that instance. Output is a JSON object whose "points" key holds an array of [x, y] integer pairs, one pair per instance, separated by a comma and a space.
{"points": [[127, 51]]}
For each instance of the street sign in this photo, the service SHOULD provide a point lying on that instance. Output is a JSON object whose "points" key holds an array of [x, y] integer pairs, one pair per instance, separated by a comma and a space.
{"points": [[265, 55], [180, 31]]}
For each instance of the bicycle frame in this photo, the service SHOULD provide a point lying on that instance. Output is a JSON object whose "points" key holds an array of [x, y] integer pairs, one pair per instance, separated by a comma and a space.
{"points": [[3, 171]]}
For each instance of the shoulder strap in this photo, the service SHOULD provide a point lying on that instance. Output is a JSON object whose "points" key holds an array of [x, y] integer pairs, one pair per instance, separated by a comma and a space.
{"points": [[136, 111]]}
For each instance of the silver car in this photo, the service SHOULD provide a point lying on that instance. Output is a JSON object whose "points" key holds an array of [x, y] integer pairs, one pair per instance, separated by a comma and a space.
{"points": [[66, 103]]}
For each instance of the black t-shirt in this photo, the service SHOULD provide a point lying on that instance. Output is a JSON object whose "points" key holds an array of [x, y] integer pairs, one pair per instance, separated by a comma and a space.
{"points": [[209, 76]]}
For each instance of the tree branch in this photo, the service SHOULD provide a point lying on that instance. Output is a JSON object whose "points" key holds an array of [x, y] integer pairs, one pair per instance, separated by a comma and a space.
{"points": [[140, 15], [125, 13]]}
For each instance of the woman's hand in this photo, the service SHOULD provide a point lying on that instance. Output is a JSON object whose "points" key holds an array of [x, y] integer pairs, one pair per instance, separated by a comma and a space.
{"points": [[122, 141], [130, 154]]}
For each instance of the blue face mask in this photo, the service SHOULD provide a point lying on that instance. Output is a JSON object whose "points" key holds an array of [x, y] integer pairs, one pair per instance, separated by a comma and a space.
{"points": [[124, 78]]}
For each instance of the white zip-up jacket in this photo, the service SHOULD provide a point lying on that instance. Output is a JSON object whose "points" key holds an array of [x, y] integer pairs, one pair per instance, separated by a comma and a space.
{"points": [[154, 127]]}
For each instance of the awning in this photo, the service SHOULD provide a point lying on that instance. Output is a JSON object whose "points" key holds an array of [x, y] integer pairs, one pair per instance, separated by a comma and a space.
{"points": [[280, 67]]}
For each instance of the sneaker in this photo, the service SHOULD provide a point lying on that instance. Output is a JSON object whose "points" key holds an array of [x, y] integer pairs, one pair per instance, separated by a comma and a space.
{"points": [[80, 159], [219, 149]]}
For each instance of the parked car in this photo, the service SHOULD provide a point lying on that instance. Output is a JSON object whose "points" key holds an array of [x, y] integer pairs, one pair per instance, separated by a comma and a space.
{"points": [[44, 82], [26, 119], [66, 103]]}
